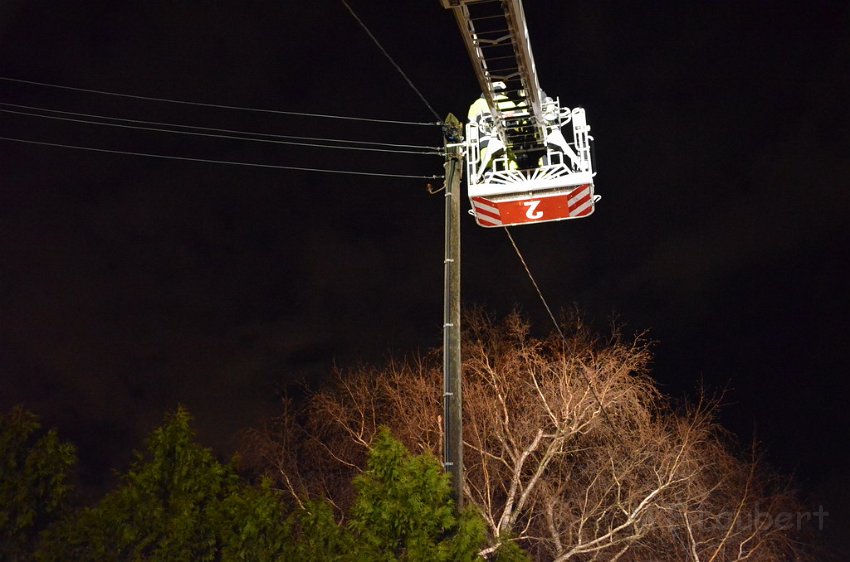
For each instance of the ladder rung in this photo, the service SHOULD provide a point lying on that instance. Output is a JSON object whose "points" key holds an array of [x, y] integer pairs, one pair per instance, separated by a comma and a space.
{"points": [[486, 18], [516, 91], [490, 32], [497, 46], [493, 59]]}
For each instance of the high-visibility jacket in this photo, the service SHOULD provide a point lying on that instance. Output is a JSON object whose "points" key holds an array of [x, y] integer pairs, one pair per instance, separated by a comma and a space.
{"points": [[478, 109], [489, 144]]}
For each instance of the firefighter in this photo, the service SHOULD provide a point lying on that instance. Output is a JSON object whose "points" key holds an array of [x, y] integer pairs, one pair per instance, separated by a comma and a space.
{"points": [[490, 145]]}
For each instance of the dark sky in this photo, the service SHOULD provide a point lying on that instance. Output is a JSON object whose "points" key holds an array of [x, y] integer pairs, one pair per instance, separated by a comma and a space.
{"points": [[129, 284]]}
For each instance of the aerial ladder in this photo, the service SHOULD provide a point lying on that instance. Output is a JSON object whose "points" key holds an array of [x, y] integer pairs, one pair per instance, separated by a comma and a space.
{"points": [[528, 159]]}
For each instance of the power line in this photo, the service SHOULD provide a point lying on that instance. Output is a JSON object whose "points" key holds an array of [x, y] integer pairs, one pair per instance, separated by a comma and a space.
{"points": [[214, 105], [218, 130], [215, 135], [210, 161], [560, 331], [394, 63]]}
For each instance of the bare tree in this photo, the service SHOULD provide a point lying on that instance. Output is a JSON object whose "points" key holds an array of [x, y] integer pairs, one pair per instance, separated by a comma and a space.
{"points": [[569, 449]]}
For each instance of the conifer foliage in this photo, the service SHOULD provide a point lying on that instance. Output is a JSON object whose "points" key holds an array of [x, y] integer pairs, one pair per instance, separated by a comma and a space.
{"points": [[178, 502], [404, 511], [34, 482]]}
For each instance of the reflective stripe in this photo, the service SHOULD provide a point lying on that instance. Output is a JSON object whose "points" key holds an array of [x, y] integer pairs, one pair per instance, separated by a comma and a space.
{"points": [[486, 213], [485, 207], [580, 201], [491, 220]]}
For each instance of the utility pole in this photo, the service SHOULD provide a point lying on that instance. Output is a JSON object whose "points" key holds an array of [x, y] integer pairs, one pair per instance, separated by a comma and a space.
{"points": [[452, 399]]}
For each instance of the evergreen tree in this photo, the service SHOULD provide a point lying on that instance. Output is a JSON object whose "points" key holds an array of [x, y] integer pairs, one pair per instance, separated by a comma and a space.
{"points": [[314, 536], [404, 510], [177, 502], [34, 486]]}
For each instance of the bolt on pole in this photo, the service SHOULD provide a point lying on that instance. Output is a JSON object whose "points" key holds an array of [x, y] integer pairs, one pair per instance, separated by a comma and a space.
{"points": [[452, 399]]}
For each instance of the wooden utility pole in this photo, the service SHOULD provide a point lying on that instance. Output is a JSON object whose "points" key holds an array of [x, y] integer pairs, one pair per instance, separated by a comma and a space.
{"points": [[452, 399]]}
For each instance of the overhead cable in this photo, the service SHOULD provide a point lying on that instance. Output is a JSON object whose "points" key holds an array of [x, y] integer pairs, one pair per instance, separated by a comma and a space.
{"points": [[216, 135], [210, 161], [214, 105], [560, 331], [394, 63], [218, 130]]}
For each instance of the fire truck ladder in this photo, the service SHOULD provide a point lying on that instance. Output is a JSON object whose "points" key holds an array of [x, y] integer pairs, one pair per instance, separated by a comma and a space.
{"points": [[496, 38]]}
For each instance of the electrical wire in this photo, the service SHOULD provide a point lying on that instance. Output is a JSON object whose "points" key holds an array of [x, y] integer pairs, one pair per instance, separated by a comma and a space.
{"points": [[394, 63], [560, 331], [210, 161], [214, 105], [218, 130], [215, 135]]}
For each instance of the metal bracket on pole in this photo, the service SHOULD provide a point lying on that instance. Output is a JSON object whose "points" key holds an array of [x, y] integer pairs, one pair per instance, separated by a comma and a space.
{"points": [[452, 399]]}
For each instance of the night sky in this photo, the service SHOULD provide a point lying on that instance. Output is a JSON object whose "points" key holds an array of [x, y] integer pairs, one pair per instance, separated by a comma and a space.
{"points": [[131, 284]]}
